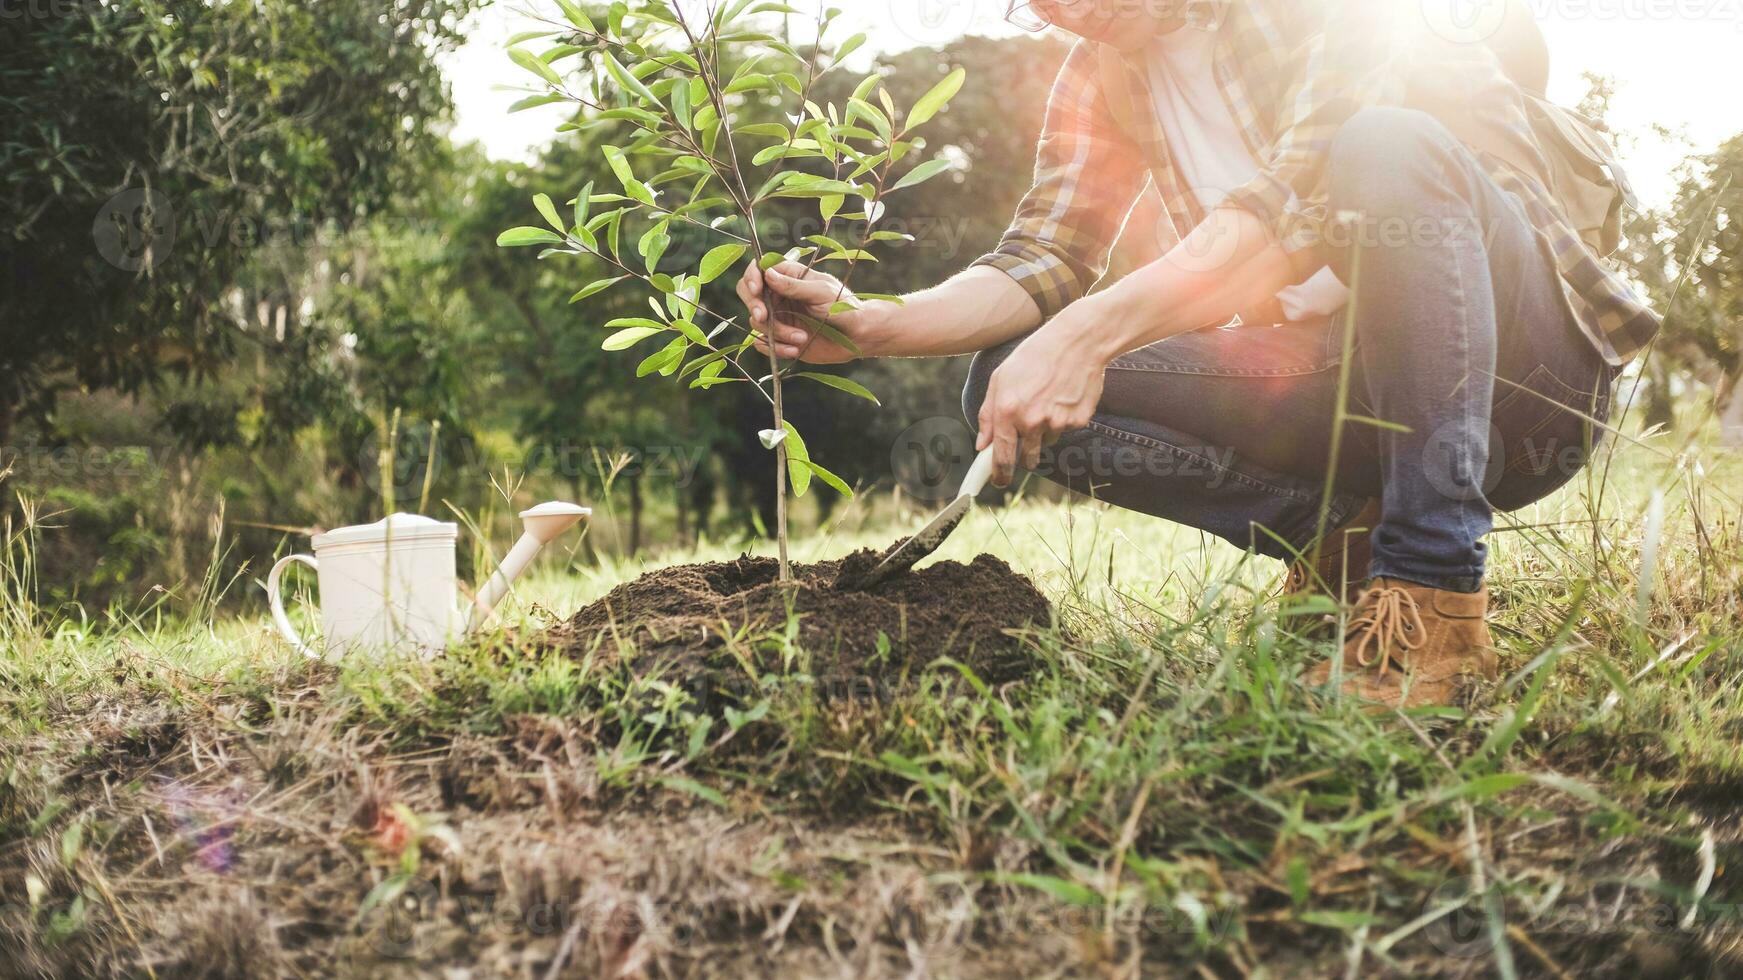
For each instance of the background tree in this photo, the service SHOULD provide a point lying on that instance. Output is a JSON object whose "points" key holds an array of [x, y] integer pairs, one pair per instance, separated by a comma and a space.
{"points": [[222, 127]]}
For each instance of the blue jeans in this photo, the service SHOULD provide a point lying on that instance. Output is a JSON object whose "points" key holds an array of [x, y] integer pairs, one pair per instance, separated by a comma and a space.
{"points": [[1463, 347]]}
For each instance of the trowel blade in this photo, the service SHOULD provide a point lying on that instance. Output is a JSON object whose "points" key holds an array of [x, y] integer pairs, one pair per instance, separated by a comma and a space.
{"points": [[923, 543]]}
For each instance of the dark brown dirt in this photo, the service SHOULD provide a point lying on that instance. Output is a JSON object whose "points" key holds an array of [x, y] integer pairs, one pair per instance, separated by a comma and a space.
{"points": [[697, 620]]}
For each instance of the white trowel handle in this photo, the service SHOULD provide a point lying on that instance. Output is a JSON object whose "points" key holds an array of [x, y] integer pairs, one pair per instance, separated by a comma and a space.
{"points": [[978, 473]]}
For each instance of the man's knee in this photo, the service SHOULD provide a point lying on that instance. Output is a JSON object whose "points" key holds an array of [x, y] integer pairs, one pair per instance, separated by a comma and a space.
{"points": [[1376, 136], [1377, 152], [980, 376], [1387, 169]]}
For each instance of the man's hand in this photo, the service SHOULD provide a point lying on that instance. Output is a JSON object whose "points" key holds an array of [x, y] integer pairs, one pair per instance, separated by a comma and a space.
{"points": [[813, 293], [1050, 385]]}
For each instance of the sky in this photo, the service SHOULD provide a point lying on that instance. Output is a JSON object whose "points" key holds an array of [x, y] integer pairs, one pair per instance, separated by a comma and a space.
{"points": [[1676, 64]]}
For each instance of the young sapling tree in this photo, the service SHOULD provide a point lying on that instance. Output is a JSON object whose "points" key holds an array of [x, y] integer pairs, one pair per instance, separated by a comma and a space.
{"points": [[678, 76]]}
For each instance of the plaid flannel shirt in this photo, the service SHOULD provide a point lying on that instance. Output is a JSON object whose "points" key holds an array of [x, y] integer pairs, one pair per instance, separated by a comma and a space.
{"points": [[1292, 73]]}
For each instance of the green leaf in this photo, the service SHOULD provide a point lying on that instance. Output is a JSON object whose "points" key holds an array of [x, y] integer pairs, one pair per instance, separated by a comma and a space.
{"points": [[635, 321], [769, 260], [712, 357], [535, 100], [1341, 919], [719, 259], [849, 46], [683, 784], [583, 204], [924, 172], [798, 474], [577, 16], [72, 842], [624, 339], [753, 82], [1069, 892], [531, 62], [828, 330], [624, 78], [595, 287], [390, 888], [619, 164], [834, 482], [516, 237], [665, 360], [843, 384], [726, 14], [865, 86], [549, 210], [934, 100], [764, 129], [690, 331], [698, 736], [681, 104]]}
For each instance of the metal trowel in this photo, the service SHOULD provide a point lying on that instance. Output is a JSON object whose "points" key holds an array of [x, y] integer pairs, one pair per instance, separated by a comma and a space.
{"points": [[903, 556]]}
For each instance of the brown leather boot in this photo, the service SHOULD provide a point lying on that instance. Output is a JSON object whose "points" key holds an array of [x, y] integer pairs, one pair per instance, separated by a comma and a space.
{"points": [[1407, 645], [1338, 564]]}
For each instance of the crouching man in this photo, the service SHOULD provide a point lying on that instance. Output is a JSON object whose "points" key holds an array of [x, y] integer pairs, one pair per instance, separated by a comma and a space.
{"points": [[1371, 219]]}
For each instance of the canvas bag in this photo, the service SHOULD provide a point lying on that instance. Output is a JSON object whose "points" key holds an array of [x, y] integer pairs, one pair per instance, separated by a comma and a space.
{"points": [[1583, 173]]}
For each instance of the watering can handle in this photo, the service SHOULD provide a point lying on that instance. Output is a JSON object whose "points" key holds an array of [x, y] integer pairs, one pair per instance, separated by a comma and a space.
{"points": [[277, 600]]}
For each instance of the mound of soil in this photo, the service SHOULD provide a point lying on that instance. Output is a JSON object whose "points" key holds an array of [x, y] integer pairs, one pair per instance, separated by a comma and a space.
{"points": [[679, 619]]}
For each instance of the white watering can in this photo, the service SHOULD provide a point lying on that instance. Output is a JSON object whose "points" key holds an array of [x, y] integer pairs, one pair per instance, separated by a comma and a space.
{"points": [[391, 585]]}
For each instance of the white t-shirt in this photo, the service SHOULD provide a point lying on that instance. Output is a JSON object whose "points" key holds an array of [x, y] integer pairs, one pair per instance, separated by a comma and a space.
{"points": [[1206, 144]]}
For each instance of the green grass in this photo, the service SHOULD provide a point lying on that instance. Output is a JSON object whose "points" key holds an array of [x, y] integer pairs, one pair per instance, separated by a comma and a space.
{"points": [[1162, 796]]}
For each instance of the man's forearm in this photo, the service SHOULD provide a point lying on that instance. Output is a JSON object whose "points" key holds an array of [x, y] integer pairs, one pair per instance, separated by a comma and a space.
{"points": [[971, 311], [1228, 264]]}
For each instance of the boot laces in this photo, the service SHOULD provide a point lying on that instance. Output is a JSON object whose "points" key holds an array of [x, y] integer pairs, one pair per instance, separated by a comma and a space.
{"points": [[1389, 620], [1299, 579]]}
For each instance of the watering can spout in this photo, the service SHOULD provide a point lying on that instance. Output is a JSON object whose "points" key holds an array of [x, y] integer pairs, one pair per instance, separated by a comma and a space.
{"points": [[543, 524]]}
